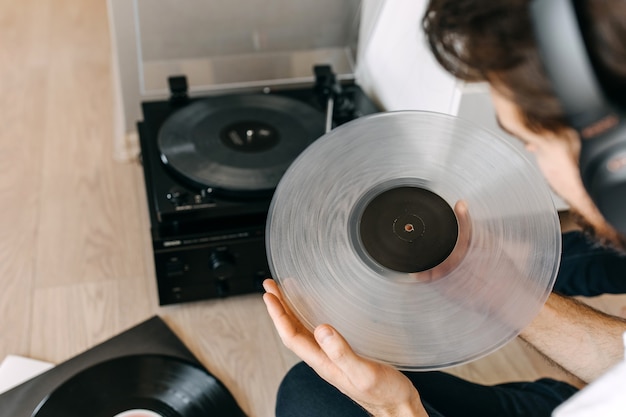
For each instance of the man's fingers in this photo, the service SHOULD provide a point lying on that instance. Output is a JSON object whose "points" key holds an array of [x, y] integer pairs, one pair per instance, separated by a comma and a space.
{"points": [[283, 321], [340, 353], [293, 334], [269, 285], [464, 221], [274, 307], [301, 342]]}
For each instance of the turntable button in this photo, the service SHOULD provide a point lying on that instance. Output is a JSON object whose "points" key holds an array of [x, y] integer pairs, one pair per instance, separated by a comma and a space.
{"points": [[222, 264], [177, 197], [175, 267], [259, 277], [223, 287]]}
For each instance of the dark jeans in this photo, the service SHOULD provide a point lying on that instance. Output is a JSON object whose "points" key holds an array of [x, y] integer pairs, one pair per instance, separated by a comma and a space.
{"points": [[589, 270], [304, 394]]}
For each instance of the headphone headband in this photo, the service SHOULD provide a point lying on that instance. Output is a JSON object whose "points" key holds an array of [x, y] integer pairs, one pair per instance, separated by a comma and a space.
{"points": [[567, 62], [601, 126]]}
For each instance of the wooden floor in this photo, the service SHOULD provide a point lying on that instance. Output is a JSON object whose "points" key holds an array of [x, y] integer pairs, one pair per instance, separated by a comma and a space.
{"points": [[75, 253]]}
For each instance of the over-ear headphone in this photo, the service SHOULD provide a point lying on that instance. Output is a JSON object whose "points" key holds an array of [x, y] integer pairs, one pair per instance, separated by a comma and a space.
{"points": [[600, 122]]}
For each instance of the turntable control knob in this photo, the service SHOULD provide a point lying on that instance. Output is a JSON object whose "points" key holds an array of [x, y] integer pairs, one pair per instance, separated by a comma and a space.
{"points": [[223, 287], [177, 197], [222, 264]]}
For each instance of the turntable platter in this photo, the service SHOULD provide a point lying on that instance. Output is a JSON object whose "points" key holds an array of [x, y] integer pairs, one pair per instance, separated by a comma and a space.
{"points": [[238, 144]]}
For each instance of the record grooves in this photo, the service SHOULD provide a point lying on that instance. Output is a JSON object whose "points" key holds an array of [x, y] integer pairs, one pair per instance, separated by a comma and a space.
{"points": [[165, 385], [238, 144], [417, 231], [145, 368]]}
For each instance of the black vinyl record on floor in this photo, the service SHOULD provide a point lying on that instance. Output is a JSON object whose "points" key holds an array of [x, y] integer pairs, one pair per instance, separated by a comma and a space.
{"points": [[145, 371], [165, 385]]}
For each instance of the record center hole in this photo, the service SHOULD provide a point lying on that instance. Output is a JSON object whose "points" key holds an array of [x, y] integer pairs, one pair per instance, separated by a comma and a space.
{"points": [[408, 227], [250, 136]]}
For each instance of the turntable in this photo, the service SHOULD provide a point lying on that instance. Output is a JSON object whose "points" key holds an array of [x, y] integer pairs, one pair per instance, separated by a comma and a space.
{"points": [[211, 165], [230, 95]]}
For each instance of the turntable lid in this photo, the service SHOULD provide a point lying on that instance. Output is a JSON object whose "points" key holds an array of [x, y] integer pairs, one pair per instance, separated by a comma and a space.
{"points": [[227, 44]]}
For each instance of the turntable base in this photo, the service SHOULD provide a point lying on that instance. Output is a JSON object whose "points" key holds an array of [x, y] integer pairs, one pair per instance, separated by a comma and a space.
{"points": [[211, 165]]}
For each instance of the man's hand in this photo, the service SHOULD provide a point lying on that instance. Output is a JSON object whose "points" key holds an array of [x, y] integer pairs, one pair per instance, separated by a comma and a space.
{"points": [[460, 249], [380, 389]]}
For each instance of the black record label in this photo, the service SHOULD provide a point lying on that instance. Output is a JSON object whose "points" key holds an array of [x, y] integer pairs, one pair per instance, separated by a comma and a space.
{"points": [[407, 229]]}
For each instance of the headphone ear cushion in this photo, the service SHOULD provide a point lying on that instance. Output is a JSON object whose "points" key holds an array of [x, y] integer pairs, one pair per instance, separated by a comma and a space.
{"points": [[603, 170]]}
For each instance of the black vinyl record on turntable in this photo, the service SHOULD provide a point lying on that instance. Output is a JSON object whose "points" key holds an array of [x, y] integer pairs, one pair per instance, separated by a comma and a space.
{"points": [[211, 165]]}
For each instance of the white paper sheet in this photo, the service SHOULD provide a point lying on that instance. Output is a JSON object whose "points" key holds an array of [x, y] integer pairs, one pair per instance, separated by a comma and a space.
{"points": [[15, 370]]}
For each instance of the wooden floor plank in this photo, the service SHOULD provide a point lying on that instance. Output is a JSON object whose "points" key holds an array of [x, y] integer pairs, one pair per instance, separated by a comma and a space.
{"points": [[69, 319]]}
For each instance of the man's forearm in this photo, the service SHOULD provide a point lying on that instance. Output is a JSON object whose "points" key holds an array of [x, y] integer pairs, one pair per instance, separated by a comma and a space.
{"points": [[582, 340]]}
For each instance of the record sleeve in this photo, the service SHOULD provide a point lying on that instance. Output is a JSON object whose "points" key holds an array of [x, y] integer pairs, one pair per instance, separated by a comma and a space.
{"points": [[145, 371]]}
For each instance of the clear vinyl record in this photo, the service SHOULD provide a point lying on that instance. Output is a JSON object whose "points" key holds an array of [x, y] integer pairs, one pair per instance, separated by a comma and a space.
{"points": [[425, 240]]}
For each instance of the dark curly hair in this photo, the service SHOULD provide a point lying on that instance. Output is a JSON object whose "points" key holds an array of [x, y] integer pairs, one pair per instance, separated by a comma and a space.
{"points": [[493, 41]]}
